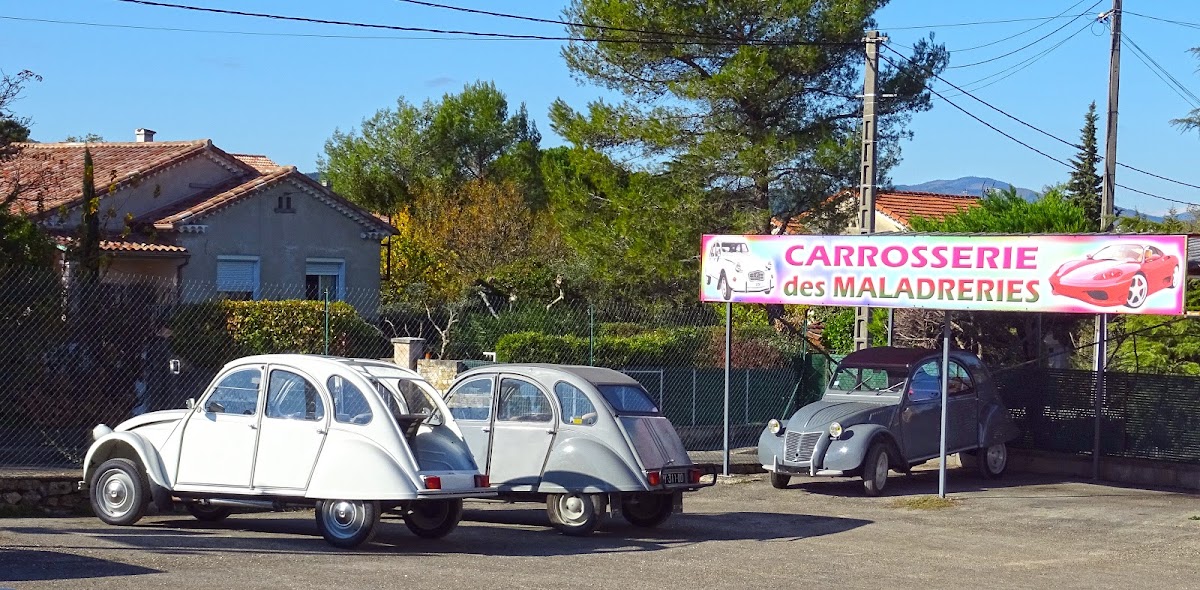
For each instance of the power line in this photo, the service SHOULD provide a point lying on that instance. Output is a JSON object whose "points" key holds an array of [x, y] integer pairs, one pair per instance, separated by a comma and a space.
{"points": [[474, 33], [1165, 20], [1029, 30], [982, 22], [250, 33], [1158, 70], [1029, 61], [1035, 42]]}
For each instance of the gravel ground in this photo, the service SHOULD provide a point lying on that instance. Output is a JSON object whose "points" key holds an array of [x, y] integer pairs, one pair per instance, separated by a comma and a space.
{"points": [[1023, 532]]}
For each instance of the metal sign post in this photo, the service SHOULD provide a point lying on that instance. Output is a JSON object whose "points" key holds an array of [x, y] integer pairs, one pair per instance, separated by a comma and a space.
{"points": [[728, 365], [945, 395]]}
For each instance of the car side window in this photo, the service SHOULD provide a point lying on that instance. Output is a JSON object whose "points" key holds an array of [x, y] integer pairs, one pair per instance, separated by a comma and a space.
{"points": [[926, 382], [522, 401], [349, 404], [237, 393], [960, 380], [471, 400], [293, 397], [576, 407]]}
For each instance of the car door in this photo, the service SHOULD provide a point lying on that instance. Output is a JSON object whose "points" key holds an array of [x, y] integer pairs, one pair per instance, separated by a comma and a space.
{"points": [[523, 430], [217, 446], [962, 419], [292, 431], [921, 415], [1158, 268], [470, 402]]}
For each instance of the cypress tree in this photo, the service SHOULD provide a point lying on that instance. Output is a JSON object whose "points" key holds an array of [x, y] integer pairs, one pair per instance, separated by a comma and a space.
{"points": [[1083, 188], [88, 253]]}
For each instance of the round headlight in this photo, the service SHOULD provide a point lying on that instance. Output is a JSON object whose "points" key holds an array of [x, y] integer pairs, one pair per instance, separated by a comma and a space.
{"points": [[774, 426], [835, 429]]}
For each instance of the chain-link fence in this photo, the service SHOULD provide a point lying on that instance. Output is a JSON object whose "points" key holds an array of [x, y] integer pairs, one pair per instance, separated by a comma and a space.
{"points": [[77, 353]]}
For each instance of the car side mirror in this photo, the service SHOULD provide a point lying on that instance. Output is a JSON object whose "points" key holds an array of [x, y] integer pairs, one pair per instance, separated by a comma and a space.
{"points": [[214, 408], [190, 403]]}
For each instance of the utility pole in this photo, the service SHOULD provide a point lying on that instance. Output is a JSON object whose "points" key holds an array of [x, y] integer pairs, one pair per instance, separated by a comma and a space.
{"points": [[1107, 217], [866, 185]]}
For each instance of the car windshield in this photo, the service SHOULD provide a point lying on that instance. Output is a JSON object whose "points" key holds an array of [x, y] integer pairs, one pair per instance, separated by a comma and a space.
{"points": [[1119, 253], [736, 247], [868, 380], [628, 399]]}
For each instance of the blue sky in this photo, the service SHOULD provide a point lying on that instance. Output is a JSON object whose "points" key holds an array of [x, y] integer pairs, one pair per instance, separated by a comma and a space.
{"points": [[283, 96]]}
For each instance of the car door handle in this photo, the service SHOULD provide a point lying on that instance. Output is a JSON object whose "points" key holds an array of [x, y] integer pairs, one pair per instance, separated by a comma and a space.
{"points": [[550, 431], [253, 427], [486, 429], [321, 431]]}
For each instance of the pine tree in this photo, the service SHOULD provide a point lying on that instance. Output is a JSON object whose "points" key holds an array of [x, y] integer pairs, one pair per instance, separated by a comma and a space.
{"points": [[1084, 186]]}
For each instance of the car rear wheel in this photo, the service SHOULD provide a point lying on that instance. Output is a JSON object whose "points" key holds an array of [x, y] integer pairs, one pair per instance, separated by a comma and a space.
{"points": [[1138, 290], [992, 461], [780, 481], [433, 519], [647, 510], [347, 523], [209, 513], [576, 515], [875, 470], [119, 492]]}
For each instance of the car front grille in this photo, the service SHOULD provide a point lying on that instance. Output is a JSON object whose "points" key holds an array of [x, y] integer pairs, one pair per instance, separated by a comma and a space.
{"points": [[756, 275], [798, 446]]}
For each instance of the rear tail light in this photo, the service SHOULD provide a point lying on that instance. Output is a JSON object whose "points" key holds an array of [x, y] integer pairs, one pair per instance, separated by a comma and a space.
{"points": [[653, 478], [432, 482], [695, 475], [482, 480]]}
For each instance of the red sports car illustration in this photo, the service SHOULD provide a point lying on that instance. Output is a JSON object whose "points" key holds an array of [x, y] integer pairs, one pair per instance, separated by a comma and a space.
{"points": [[1120, 274]]}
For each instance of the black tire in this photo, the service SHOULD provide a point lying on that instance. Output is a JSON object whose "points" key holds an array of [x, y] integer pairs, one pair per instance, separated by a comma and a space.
{"points": [[433, 519], [575, 515], [119, 492], [780, 481], [209, 513], [724, 288], [875, 469], [992, 461], [347, 523], [968, 459], [647, 510]]}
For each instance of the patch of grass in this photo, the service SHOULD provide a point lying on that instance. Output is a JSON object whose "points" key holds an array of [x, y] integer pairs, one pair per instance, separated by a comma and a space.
{"points": [[734, 479], [924, 503], [1197, 517]]}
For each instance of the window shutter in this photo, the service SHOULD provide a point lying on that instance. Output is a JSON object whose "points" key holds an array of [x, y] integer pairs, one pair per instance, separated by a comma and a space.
{"points": [[323, 268], [237, 275]]}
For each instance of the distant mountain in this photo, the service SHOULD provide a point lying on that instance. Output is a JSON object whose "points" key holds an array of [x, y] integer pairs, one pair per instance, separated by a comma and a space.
{"points": [[968, 185]]}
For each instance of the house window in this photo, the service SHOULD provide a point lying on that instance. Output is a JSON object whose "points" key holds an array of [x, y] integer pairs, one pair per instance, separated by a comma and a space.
{"points": [[324, 273], [237, 277], [283, 204]]}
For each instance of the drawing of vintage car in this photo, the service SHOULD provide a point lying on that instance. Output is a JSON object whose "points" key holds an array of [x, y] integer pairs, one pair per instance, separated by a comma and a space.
{"points": [[351, 437], [1119, 274], [735, 269]]}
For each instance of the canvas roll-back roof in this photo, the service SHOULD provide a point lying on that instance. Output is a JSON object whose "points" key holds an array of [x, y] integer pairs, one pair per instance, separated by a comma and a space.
{"points": [[886, 356]]}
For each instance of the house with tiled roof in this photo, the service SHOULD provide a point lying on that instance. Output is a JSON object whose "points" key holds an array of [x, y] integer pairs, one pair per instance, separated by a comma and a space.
{"points": [[208, 222], [895, 209]]}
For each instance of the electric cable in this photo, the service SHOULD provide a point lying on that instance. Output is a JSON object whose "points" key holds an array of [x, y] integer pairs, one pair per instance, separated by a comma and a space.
{"points": [[1035, 42]]}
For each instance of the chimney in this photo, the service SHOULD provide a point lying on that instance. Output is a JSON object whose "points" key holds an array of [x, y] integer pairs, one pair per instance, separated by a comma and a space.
{"points": [[144, 135]]}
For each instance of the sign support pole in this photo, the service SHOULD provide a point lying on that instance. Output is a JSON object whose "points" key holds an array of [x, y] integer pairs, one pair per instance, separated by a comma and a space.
{"points": [[866, 185], [728, 365], [945, 395]]}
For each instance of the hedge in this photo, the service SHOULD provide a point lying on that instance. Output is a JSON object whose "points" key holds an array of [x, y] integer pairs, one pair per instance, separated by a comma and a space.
{"points": [[212, 333], [677, 347]]}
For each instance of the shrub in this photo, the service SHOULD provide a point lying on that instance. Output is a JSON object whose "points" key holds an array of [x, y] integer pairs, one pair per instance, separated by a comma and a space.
{"points": [[213, 333]]}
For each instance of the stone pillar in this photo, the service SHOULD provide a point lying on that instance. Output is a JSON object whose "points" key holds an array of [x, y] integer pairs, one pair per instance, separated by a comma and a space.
{"points": [[406, 351]]}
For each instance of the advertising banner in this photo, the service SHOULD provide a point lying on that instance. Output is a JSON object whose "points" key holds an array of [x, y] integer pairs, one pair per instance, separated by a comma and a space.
{"points": [[1043, 273]]}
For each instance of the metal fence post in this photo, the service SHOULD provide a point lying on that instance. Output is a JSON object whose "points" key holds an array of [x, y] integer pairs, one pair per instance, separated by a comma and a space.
{"points": [[746, 399], [693, 396], [591, 334], [728, 365], [327, 321]]}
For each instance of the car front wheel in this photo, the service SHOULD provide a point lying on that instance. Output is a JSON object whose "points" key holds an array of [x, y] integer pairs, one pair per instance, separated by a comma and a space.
{"points": [[647, 510], [433, 519], [992, 461], [724, 288], [576, 515], [780, 481], [209, 513], [119, 492], [347, 523], [875, 470]]}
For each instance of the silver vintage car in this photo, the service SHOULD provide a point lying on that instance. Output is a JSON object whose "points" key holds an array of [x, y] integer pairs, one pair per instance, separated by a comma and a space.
{"points": [[882, 411], [584, 440]]}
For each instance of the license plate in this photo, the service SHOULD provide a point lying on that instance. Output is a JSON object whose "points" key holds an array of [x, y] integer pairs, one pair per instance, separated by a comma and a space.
{"points": [[675, 477]]}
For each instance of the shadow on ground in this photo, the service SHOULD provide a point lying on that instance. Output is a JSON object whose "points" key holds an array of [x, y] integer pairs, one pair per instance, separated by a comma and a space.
{"points": [[32, 565], [494, 532]]}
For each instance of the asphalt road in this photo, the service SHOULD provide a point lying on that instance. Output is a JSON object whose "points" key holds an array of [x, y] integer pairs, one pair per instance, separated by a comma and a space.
{"points": [[1025, 532]]}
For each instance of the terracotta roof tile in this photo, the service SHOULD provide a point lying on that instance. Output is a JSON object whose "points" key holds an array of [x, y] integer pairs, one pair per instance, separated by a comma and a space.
{"points": [[904, 205], [54, 171], [127, 245], [258, 162]]}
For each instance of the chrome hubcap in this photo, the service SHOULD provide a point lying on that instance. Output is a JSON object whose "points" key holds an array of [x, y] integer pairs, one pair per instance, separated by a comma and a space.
{"points": [[116, 493], [344, 519], [881, 469], [997, 456]]}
